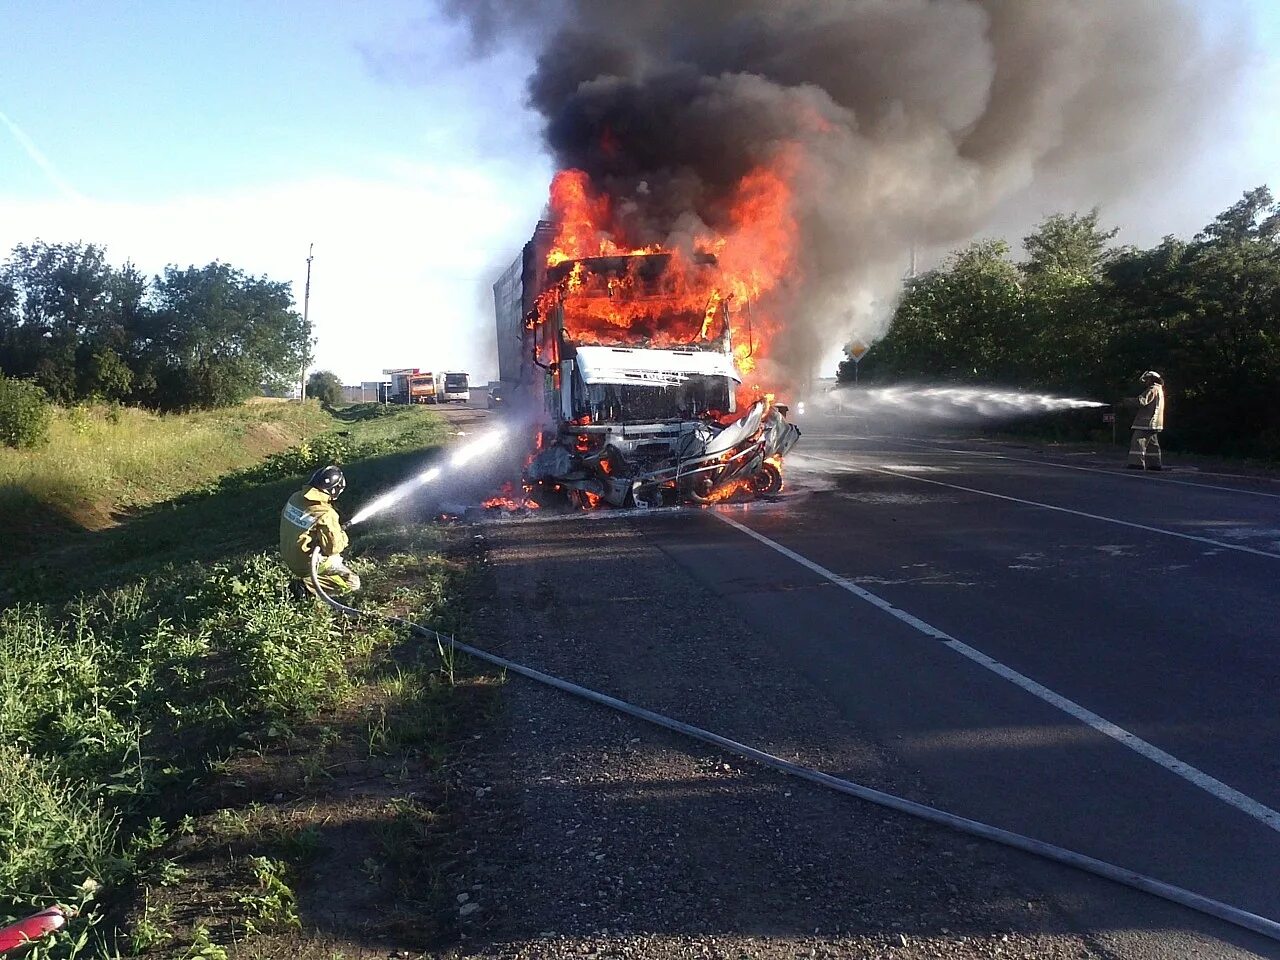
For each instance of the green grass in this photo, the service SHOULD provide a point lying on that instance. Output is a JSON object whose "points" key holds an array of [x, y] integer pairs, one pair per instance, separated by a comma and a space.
{"points": [[202, 516], [104, 461], [136, 657]]}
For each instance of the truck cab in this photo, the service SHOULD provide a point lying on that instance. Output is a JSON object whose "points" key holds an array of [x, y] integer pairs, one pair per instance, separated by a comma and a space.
{"points": [[412, 386], [638, 382]]}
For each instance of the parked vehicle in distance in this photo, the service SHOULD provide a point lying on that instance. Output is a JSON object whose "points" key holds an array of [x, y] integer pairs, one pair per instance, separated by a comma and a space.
{"points": [[412, 386], [497, 396], [453, 387]]}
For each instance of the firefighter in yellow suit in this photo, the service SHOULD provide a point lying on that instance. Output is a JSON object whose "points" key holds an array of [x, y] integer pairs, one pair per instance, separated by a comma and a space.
{"points": [[1144, 450], [309, 521]]}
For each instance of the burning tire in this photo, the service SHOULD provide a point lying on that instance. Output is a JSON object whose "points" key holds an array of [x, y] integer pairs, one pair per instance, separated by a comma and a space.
{"points": [[701, 491], [705, 493], [768, 481]]}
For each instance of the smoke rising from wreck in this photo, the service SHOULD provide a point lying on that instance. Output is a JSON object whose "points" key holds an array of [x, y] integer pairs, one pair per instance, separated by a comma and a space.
{"points": [[897, 122]]}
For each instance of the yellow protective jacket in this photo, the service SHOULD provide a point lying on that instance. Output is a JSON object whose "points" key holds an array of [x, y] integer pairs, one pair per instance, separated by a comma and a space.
{"points": [[1150, 409], [307, 521]]}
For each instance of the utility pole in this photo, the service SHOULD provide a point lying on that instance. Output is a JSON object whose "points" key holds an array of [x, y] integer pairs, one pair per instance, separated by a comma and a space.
{"points": [[306, 310]]}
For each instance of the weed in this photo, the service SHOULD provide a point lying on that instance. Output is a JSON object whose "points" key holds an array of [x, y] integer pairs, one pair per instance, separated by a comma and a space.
{"points": [[54, 834], [405, 835], [274, 904], [152, 929], [301, 847], [109, 701], [167, 872], [203, 948], [376, 735]]}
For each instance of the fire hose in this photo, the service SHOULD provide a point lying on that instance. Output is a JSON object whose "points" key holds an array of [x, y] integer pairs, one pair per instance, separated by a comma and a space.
{"points": [[1048, 851], [26, 932]]}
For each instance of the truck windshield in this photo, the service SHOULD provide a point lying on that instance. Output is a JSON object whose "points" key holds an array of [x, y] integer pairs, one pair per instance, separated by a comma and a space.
{"points": [[648, 403]]}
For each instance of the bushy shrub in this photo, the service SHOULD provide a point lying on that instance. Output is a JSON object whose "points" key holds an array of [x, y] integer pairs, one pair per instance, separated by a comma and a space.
{"points": [[325, 386], [25, 413]]}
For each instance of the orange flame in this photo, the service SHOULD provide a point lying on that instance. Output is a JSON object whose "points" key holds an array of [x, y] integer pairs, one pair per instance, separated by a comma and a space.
{"points": [[727, 491], [506, 500], [677, 303], [582, 218]]}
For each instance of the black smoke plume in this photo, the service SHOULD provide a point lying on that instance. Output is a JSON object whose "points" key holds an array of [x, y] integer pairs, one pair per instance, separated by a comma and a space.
{"points": [[917, 119]]}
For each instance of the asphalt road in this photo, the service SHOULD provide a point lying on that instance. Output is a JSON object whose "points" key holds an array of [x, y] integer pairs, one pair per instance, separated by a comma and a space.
{"points": [[1044, 643], [1151, 601]]}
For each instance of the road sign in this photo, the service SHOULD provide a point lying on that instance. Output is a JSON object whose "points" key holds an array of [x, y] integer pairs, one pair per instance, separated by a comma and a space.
{"points": [[1108, 418], [857, 349]]}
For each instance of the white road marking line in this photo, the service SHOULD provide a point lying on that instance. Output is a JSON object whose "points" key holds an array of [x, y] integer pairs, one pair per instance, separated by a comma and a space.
{"points": [[1199, 778], [1218, 544], [1125, 474]]}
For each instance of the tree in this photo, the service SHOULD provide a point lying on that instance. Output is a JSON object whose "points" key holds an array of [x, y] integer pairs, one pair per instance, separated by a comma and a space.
{"points": [[1068, 245], [220, 334], [1079, 315], [958, 322], [1255, 217], [63, 302], [1066, 331], [1141, 312], [325, 386], [1207, 315]]}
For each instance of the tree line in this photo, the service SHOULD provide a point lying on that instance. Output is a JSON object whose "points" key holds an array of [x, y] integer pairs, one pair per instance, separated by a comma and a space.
{"points": [[194, 337], [1082, 316]]}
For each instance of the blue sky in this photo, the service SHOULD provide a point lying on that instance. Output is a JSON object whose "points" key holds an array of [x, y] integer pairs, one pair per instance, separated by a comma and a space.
{"points": [[240, 131], [186, 132]]}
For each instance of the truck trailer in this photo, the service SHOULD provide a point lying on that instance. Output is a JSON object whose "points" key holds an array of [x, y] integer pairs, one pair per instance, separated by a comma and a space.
{"points": [[626, 366], [411, 385]]}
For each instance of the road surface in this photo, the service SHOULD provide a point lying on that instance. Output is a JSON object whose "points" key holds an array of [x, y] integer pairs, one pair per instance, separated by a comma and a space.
{"points": [[1044, 643]]}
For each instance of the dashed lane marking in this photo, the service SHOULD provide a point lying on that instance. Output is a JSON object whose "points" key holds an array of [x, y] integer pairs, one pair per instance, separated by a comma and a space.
{"points": [[1217, 544], [1193, 775], [1116, 473]]}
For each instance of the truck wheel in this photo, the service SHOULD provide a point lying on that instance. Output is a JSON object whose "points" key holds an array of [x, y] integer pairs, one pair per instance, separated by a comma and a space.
{"points": [[700, 490], [768, 481]]}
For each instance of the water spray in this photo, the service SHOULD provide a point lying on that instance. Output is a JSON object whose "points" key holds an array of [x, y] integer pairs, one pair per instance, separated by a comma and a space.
{"points": [[461, 457], [944, 403]]}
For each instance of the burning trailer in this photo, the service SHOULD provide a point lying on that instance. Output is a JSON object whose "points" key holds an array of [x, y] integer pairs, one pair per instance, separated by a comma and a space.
{"points": [[627, 364]]}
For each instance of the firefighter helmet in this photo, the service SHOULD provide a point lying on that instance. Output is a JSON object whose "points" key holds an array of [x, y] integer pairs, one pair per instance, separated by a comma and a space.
{"points": [[329, 480], [1152, 376]]}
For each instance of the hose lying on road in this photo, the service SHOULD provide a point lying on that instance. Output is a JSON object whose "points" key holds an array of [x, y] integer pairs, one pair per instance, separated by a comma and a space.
{"points": [[1214, 908]]}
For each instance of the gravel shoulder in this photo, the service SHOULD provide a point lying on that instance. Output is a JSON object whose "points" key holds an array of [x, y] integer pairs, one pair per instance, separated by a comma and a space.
{"points": [[592, 834]]}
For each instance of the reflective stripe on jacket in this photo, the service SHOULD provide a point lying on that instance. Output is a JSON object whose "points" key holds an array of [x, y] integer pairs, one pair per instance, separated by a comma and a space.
{"points": [[307, 521], [1150, 409]]}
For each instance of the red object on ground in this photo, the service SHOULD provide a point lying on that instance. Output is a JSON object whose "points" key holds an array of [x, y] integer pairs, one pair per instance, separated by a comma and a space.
{"points": [[26, 931]]}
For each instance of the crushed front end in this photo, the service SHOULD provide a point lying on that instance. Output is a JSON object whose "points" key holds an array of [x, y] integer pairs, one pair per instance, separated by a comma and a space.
{"points": [[640, 388], [649, 428]]}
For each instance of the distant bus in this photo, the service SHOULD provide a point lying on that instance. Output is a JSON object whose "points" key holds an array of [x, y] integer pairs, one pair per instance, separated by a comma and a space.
{"points": [[455, 388]]}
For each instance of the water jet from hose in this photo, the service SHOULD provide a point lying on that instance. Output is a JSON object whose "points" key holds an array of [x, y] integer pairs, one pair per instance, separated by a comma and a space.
{"points": [[461, 457]]}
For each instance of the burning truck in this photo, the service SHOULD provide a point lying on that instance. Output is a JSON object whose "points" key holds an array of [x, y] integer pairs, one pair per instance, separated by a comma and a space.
{"points": [[627, 363]]}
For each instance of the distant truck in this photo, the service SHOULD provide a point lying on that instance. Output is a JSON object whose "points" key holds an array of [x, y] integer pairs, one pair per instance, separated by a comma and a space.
{"points": [[411, 385], [453, 387], [626, 364]]}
